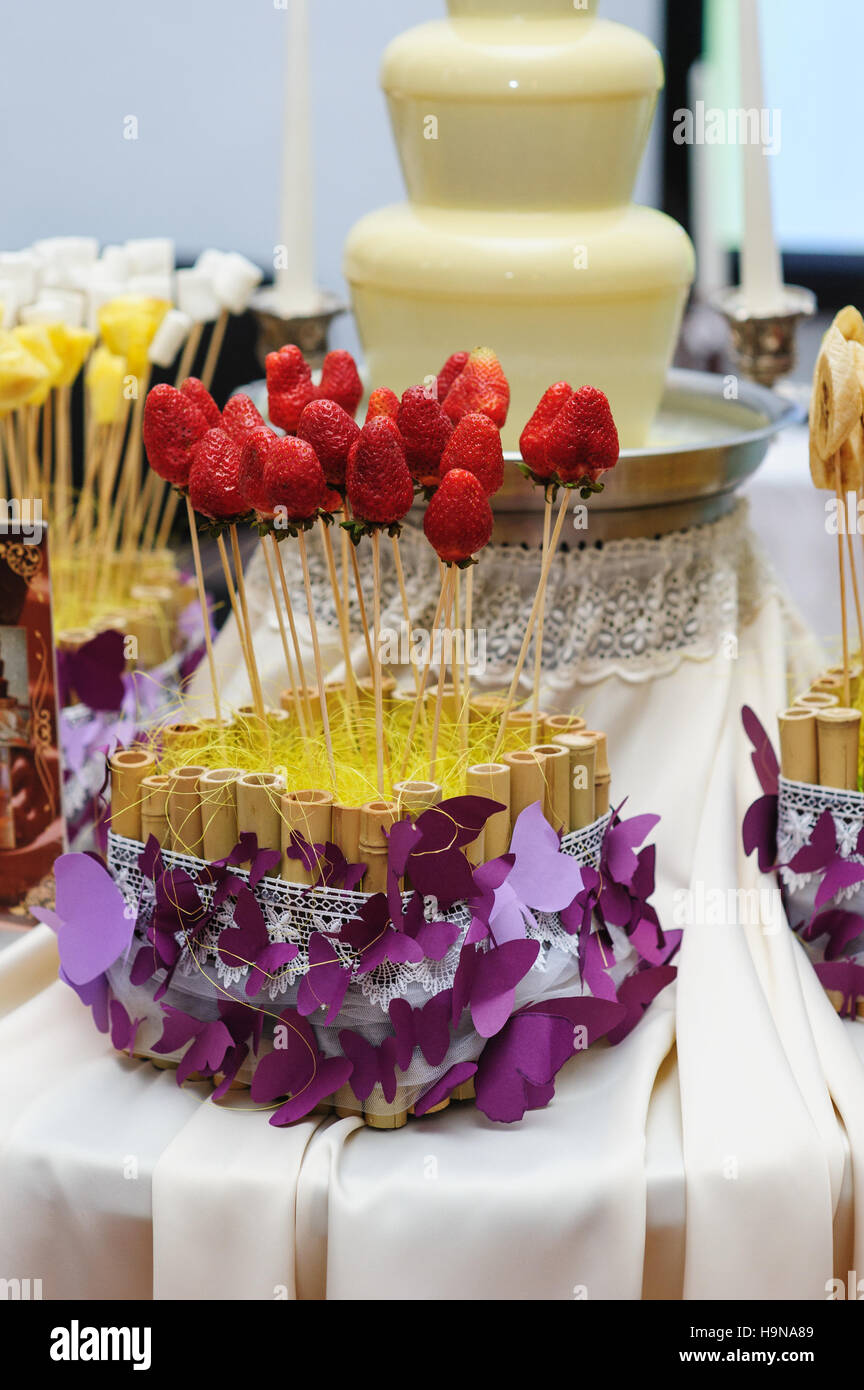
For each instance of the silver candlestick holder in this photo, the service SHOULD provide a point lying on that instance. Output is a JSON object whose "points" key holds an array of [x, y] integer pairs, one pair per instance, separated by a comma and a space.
{"points": [[310, 332], [765, 345]]}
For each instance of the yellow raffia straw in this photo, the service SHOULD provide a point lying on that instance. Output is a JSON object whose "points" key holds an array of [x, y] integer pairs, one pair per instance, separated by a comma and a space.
{"points": [[128, 325]]}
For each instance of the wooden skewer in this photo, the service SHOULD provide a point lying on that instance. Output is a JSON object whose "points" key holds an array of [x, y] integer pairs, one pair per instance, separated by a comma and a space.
{"points": [[376, 669], [202, 598], [15, 475], [217, 337], [310, 719], [406, 610], [418, 703], [236, 610], [538, 601], [469, 619], [189, 353], [538, 649], [344, 633], [449, 587], [857, 593], [289, 665], [358, 589], [257, 696], [316, 652], [842, 572]]}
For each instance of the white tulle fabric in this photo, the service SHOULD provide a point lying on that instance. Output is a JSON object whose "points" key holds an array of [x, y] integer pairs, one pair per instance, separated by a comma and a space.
{"points": [[718, 1152]]}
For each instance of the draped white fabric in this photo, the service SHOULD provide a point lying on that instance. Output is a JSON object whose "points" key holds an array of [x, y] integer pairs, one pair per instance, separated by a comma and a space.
{"points": [[716, 1153]]}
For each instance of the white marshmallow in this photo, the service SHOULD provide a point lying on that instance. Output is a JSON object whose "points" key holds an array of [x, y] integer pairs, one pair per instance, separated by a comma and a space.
{"points": [[196, 295], [68, 250], [210, 260], [57, 306], [24, 267], [115, 264], [151, 256], [156, 286], [169, 338], [235, 279], [9, 291]]}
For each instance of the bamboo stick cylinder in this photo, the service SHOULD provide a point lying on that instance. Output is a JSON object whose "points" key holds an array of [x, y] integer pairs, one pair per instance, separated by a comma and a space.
{"points": [[129, 767], [527, 781], [602, 750], [218, 788], [413, 798], [492, 780], [376, 818], [556, 771], [346, 830], [178, 739], [816, 699], [485, 708], [305, 693], [154, 809], [602, 794], [799, 749], [259, 798], [582, 753], [838, 732], [310, 815], [556, 724], [184, 811]]}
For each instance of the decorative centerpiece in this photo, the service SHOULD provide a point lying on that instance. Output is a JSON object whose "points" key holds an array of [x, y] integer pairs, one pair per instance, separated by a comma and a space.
{"points": [[370, 899]]}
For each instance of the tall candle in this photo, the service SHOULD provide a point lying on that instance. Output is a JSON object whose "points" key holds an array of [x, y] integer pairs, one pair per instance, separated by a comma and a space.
{"points": [[761, 268], [296, 279]]}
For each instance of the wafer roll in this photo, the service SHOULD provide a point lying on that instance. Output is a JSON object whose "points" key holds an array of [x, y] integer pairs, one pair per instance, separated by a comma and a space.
{"points": [[129, 767], [527, 781], [154, 809], [308, 814], [492, 780], [184, 811], [556, 771], [259, 797], [218, 791], [582, 751], [376, 817], [346, 830], [799, 752], [838, 732]]}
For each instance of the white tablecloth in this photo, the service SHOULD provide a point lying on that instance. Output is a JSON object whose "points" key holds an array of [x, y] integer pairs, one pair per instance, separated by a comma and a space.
{"points": [[715, 1153]]}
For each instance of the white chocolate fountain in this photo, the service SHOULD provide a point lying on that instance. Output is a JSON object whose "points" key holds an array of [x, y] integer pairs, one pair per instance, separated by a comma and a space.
{"points": [[521, 125]]}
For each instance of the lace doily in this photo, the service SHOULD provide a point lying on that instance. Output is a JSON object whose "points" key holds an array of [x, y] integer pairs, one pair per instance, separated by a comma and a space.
{"points": [[632, 608], [293, 913]]}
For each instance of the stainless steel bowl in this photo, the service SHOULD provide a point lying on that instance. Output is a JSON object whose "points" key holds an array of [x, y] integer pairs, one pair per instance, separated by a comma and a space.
{"points": [[703, 448]]}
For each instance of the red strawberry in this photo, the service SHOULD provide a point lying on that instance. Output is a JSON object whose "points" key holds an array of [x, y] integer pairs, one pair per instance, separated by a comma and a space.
{"points": [[532, 445], [453, 368], [482, 386], [240, 417], [380, 489], [173, 425], [294, 479], [331, 432], [383, 401], [289, 386], [425, 430], [475, 445], [340, 381], [582, 441], [200, 396], [214, 478], [254, 455], [458, 520], [333, 502]]}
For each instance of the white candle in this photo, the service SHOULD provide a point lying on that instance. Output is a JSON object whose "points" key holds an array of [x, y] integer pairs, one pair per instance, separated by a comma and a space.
{"points": [[761, 267], [296, 278]]}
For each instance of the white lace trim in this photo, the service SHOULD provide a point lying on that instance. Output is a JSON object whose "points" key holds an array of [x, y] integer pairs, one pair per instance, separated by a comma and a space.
{"points": [[631, 608], [799, 807], [293, 913]]}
